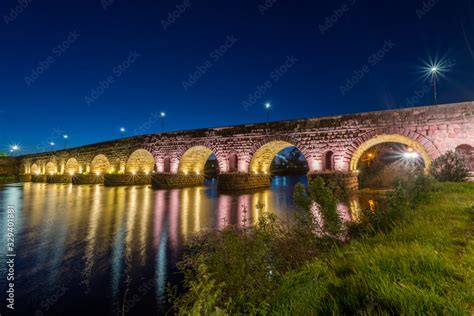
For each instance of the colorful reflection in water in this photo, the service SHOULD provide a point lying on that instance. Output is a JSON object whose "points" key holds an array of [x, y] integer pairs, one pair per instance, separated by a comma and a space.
{"points": [[94, 248]]}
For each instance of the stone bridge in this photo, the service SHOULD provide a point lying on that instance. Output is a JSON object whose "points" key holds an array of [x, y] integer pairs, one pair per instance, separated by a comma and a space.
{"points": [[331, 145]]}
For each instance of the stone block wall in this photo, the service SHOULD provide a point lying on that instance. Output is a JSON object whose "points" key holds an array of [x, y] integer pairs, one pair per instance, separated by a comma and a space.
{"points": [[59, 178], [112, 180], [242, 181], [39, 178], [87, 179], [176, 180], [348, 180]]}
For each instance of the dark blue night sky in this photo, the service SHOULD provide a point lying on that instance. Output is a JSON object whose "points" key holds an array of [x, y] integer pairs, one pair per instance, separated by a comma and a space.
{"points": [[86, 68]]}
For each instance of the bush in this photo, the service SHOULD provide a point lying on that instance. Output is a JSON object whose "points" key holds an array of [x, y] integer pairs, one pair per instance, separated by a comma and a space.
{"points": [[238, 269], [409, 192], [449, 167]]}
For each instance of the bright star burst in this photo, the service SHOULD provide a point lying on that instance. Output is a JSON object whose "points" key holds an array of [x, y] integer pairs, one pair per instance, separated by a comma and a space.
{"points": [[436, 66]]}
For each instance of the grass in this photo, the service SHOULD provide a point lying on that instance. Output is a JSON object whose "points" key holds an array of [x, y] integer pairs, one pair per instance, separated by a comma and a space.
{"points": [[424, 265]]}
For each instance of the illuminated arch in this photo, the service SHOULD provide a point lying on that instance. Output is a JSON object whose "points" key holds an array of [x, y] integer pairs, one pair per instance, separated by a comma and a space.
{"points": [[389, 138], [35, 169], [140, 161], [194, 159], [100, 164], [50, 168], [263, 156], [72, 166]]}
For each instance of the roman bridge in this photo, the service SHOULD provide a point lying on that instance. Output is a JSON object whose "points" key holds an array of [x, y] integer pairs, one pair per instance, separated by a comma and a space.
{"points": [[332, 146]]}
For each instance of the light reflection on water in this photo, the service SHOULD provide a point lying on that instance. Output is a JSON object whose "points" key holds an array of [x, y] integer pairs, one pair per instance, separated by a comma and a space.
{"points": [[97, 241]]}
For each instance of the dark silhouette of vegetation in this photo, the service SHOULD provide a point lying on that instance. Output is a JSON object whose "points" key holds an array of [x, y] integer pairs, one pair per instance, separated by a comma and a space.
{"points": [[449, 167], [293, 164]]}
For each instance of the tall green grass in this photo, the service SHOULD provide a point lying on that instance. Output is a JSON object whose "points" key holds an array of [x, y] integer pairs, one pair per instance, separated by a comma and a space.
{"points": [[423, 265]]}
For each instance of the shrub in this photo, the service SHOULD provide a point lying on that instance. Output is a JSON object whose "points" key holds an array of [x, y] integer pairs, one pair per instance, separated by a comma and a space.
{"points": [[238, 268], [449, 167], [409, 192]]}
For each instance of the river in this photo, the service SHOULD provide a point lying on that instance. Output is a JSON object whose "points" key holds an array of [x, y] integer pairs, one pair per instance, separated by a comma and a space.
{"points": [[90, 248]]}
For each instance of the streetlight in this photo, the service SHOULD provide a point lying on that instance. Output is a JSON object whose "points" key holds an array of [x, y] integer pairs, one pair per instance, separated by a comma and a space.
{"points": [[52, 144], [434, 72], [435, 69], [65, 140], [122, 131], [162, 114], [268, 107], [14, 149]]}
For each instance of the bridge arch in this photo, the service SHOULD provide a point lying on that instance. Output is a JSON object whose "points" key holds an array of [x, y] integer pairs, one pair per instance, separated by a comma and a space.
{"points": [[35, 169], [194, 159], [50, 168], [140, 161], [100, 164], [420, 144], [264, 152], [72, 166]]}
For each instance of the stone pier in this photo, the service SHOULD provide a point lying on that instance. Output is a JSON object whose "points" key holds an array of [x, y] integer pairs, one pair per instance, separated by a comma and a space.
{"points": [[176, 180], [242, 181]]}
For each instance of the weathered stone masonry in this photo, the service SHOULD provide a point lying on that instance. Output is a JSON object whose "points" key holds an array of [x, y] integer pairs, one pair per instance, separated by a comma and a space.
{"points": [[244, 152]]}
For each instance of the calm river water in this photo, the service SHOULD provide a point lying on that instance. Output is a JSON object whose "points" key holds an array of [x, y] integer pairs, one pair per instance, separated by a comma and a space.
{"points": [[83, 249]]}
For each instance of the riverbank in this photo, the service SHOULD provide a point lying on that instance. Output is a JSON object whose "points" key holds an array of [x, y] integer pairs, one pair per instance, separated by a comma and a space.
{"points": [[8, 179], [414, 256], [425, 266]]}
